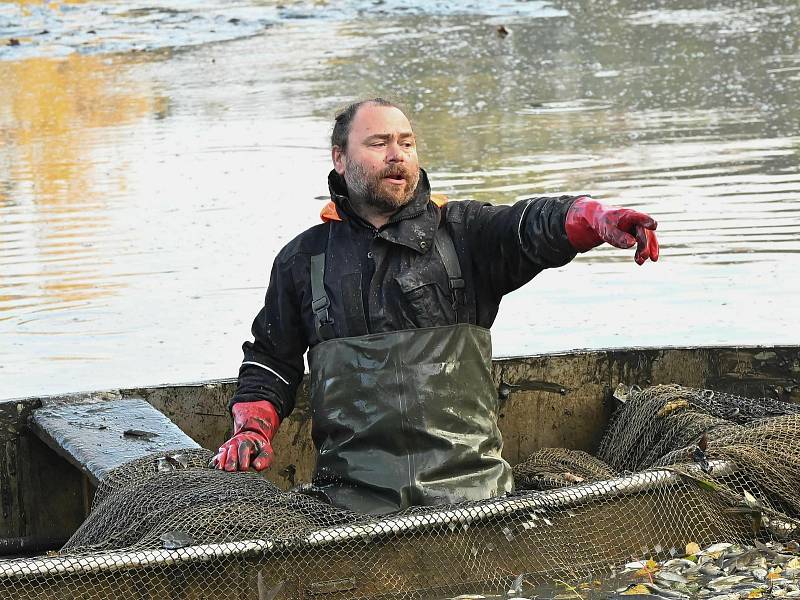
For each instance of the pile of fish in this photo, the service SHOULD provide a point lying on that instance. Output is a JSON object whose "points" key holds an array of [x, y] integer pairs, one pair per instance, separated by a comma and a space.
{"points": [[719, 572]]}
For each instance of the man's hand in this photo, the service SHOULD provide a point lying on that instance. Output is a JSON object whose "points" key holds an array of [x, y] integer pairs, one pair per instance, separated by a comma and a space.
{"points": [[589, 224], [254, 425]]}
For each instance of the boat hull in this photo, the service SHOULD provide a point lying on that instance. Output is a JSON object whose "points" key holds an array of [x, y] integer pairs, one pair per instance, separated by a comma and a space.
{"points": [[552, 400]]}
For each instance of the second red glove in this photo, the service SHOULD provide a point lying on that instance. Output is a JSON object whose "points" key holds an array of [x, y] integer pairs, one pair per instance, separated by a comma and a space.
{"points": [[254, 426]]}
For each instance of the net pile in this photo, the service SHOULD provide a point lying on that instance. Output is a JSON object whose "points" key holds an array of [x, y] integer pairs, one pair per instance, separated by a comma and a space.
{"points": [[677, 466]]}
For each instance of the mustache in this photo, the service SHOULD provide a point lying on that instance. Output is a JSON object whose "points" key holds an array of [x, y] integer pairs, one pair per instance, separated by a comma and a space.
{"points": [[395, 172]]}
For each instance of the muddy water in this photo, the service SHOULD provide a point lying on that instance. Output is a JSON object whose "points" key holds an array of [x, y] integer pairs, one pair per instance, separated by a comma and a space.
{"points": [[155, 157]]}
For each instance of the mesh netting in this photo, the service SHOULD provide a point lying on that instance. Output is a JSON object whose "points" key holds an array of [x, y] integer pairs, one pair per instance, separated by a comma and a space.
{"points": [[677, 469]]}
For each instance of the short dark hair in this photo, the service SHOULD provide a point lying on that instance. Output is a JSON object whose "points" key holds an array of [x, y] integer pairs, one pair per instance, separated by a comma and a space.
{"points": [[344, 120]]}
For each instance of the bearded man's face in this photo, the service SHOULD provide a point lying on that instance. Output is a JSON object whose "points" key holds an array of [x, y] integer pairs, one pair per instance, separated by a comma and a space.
{"points": [[386, 190], [380, 165]]}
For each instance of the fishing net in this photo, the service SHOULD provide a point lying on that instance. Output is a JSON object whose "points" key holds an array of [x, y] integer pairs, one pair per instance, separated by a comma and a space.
{"points": [[678, 468]]}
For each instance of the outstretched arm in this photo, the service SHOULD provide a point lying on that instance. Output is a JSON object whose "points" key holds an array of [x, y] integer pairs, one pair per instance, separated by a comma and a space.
{"points": [[511, 244]]}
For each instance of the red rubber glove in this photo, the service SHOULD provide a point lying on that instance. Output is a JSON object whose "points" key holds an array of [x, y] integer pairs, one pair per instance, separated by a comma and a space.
{"points": [[254, 426], [589, 224]]}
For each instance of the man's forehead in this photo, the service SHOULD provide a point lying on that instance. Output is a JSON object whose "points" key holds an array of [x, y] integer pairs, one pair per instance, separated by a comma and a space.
{"points": [[373, 119]]}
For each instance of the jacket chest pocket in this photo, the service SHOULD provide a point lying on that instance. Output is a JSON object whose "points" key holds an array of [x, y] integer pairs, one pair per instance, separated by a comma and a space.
{"points": [[425, 299]]}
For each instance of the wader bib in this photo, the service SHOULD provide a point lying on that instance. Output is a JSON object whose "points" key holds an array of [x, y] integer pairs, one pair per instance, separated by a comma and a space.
{"points": [[406, 417]]}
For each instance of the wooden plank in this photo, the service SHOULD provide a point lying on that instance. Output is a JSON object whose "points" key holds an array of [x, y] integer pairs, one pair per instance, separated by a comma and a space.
{"points": [[98, 437]]}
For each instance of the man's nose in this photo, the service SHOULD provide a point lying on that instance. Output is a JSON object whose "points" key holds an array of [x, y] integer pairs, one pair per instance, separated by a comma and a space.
{"points": [[394, 153]]}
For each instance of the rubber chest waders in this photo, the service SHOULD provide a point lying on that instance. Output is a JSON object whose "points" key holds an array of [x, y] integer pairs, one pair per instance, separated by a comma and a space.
{"points": [[406, 417]]}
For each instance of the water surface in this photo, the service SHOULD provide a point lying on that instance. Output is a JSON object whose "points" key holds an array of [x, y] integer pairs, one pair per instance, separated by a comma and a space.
{"points": [[155, 157]]}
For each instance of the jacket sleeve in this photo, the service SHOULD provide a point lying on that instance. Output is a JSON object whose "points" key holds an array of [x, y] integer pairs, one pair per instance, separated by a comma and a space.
{"points": [[511, 244], [273, 362]]}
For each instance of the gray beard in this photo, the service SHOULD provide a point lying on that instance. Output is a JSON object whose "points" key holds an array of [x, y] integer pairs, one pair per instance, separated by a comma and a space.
{"points": [[364, 190]]}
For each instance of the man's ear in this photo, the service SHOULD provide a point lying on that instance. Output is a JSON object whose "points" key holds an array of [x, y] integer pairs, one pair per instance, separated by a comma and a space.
{"points": [[337, 154]]}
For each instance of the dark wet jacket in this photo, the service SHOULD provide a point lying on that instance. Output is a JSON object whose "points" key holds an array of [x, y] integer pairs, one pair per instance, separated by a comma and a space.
{"points": [[390, 278]]}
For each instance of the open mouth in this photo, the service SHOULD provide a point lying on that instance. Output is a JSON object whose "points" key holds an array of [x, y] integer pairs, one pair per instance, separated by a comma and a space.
{"points": [[395, 178]]}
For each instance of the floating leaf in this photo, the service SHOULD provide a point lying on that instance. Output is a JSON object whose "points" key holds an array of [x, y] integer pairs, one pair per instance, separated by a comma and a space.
{"points": [[692, 548], [637, 589]]}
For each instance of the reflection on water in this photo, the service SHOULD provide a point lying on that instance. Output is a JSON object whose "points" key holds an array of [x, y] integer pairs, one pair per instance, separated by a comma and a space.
{"points": [[55, 204], [144, 194]]}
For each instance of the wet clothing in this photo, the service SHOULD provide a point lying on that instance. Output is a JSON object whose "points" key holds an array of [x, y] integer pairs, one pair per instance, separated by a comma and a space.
{"points": [[406, 418], [390, 279]]}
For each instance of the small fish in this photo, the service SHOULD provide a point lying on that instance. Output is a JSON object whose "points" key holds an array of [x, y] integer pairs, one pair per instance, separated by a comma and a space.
{"points": [[268, 594], [665, 592], [138, 433], [179, 461], [679, 563], [710, 570], [516, 587], [671, 577], [727, 581], [172, 540], [714, 548]]}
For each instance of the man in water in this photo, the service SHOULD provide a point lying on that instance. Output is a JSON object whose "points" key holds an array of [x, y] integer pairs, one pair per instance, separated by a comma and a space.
{"points": [[394, 293]]}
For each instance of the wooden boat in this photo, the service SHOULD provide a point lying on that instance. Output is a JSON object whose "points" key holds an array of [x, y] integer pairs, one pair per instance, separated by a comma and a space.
{"points": [[553, 400]]}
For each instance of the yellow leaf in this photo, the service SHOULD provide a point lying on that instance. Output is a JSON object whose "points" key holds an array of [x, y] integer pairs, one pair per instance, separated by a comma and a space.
{"points": [[755, 594], [651, 564], [793, 564], [673, 406], [636, 589], [692, 548], [773, 576]]}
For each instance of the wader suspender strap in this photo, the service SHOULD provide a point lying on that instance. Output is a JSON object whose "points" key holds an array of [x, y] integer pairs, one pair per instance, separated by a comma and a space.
{"points": [[447, 250], [319, 299]]}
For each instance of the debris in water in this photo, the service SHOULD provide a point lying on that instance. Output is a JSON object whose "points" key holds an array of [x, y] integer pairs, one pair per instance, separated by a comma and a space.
{"points": [[139, 433]]}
